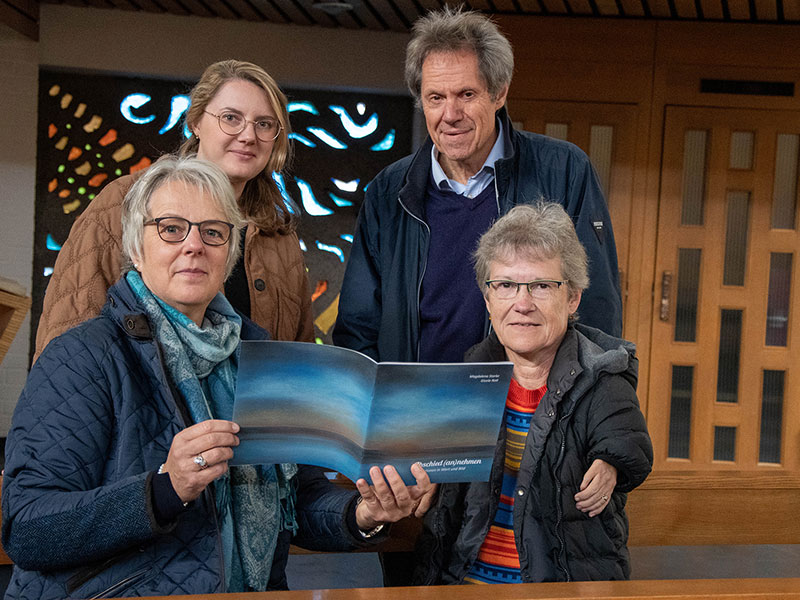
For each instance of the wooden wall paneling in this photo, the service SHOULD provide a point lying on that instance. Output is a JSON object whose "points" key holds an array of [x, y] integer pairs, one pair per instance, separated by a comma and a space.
{"points": [[603, 63], [725, 45], [685, 508]]}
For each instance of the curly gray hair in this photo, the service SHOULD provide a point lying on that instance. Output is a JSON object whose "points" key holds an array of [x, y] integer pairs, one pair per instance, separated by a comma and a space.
{"points": [[537, 231], [453, 30]]}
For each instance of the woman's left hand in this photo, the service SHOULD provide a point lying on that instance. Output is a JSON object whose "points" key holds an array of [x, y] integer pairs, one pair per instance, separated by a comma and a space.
{"points": [[596, 488], [389, 500]]}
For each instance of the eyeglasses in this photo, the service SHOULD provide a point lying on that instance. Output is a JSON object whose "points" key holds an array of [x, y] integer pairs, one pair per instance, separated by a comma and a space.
{"points": [[233, 124], [539, 289], [176, 229]]}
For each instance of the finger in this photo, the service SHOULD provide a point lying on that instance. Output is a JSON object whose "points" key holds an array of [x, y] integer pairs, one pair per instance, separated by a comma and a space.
{"points": [[212, 457], [400, 491], [587, 493], [208, 427], [363, 488], [595, 504], [426, 501], [597, 510], [421, 475], [210, 441], [588, 476], [381, 490]]}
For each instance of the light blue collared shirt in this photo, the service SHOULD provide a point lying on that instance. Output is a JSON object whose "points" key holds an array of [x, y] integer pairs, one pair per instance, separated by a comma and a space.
{"points": [[478, 182]]}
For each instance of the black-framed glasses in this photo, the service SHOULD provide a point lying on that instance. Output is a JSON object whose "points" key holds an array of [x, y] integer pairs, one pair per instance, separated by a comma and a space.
{"points": [[176, 229], [232, 123], [539, 289]]}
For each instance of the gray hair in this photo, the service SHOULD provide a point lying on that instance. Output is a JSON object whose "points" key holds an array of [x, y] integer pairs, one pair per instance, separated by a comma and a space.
{"points": [[453, 30], [188, 171], [539, 232]]}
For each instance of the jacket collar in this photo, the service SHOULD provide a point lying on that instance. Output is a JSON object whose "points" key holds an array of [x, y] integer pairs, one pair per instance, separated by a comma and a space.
{"points": [[413, 192], [123, 307], [584, 354]]}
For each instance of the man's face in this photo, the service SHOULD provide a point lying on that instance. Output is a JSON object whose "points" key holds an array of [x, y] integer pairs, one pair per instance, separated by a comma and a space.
{"points": [[459, 111]]}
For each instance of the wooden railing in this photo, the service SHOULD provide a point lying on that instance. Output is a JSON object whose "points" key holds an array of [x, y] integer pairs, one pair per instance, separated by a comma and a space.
{"points": [[685, 509], [675, 589]]}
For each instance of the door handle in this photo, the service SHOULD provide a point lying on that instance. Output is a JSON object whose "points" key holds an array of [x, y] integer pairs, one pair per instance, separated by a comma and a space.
{"points": [[666, 291]]}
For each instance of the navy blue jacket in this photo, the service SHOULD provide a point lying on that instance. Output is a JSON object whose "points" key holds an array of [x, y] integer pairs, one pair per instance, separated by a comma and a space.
{"points": [[95, 420], [590, 411], [379, 303]]}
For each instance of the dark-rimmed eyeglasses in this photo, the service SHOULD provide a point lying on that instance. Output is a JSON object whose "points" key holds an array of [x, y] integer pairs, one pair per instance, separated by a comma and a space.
{"points": [[539, 289], [232, 123], [176, 229]]}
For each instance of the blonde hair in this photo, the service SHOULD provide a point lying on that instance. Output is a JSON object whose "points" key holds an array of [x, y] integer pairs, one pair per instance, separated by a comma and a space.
{"points": [[270, 216]]}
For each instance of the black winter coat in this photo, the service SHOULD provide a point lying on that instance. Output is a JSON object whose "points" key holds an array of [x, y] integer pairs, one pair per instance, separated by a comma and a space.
{"points": [[590, 411]]}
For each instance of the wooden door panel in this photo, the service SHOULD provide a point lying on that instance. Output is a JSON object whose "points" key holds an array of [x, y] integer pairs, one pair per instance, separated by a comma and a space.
{"points": [[580, 118], [729, 224]]}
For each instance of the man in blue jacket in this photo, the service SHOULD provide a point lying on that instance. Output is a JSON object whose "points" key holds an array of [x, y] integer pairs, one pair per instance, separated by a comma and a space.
{"points": [[409, 292]]}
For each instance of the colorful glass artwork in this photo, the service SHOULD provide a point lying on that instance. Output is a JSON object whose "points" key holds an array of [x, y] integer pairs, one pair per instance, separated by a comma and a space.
{"points": [[97, 127]]}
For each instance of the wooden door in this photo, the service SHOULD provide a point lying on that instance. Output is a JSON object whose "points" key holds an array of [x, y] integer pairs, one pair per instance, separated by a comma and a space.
{"points": [[607, 133], [724, 392]]}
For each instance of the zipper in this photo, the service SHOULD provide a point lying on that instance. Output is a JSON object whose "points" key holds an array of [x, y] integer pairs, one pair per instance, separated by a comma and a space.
{"points": [[123, 583], [559, 510], [438, 533], [424, 264]]}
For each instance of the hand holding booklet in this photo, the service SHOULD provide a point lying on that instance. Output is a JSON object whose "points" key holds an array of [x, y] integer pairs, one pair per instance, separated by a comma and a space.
{"points": [[337, 408]]}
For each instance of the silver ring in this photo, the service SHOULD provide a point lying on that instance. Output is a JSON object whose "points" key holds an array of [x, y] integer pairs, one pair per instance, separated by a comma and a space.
{"points": [[604, 497], [200, 461]]}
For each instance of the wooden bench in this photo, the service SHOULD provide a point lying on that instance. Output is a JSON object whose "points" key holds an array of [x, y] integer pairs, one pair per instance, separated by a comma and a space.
{"points": [[683, 508], [675, 589]]}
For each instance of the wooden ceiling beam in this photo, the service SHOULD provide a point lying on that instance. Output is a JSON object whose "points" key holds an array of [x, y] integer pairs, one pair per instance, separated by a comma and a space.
{"points": [[22, 16]]}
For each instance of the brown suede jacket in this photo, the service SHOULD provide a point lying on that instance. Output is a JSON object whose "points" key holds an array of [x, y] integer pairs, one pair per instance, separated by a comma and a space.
{"points": [[90, 262]]}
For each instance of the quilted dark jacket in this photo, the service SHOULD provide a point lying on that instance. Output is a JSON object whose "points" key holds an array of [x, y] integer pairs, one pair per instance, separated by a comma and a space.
{"points": [[590, 411], [95, 420], [379, 303]]}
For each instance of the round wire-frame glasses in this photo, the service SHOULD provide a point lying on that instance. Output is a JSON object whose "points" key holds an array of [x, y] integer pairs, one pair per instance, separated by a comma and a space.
{"points": [[232, 123]]}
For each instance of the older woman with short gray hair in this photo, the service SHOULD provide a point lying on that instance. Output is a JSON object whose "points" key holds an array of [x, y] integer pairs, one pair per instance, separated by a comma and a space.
{"points": [[574, 441], [116, 475]]}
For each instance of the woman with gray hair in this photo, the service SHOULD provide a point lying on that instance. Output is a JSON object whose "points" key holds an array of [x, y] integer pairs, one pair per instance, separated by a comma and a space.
{"points": [[116, 475], [574, 441]]}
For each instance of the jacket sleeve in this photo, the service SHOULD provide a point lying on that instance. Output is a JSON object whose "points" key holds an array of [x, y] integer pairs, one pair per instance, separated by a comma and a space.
{"points": [[617, 432], [88, 264], [323, 509], [601, 305], [360, 309], [57, 511]]}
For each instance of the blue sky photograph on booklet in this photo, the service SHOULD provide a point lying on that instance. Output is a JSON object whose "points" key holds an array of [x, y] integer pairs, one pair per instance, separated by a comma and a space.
{"points": [[339, 409]]}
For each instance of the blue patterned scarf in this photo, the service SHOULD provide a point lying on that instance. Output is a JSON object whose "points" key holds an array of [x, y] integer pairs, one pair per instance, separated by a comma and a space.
{"points": [[254, 503]]}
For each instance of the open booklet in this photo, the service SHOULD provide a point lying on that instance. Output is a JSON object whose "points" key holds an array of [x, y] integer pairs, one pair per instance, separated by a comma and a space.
{"points": [[337, 408]]}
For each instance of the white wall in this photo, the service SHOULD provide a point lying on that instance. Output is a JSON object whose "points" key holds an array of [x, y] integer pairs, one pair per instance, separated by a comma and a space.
{"points": [[169, 45], [162, 45], [19, 69]]}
